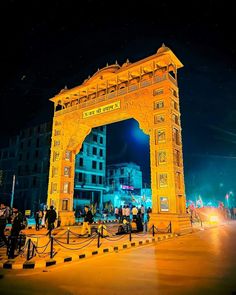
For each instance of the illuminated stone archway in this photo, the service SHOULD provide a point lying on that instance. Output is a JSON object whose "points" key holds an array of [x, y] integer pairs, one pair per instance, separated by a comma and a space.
{"points": [[146, 91]]}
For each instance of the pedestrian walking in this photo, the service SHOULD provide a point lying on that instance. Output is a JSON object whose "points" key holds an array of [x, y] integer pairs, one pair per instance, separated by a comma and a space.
{"points": [[50, 218], [88, 220]]}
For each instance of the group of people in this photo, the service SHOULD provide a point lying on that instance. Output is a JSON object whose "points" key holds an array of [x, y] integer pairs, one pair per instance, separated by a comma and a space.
{"points": [[132, 220], [46, 217], [16, 218], [130, 213]]}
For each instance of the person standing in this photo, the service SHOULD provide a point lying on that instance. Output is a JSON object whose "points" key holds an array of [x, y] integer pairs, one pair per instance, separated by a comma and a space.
{"points": [[88, 219], [37, 219], [116, 212], [15, 231], [134, 212], [142, 212], [3, 222], [43, 214], [50, 218]]}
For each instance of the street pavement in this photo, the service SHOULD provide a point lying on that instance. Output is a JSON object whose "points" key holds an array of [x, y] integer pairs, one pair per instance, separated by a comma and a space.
{"points": [[203, 262]]}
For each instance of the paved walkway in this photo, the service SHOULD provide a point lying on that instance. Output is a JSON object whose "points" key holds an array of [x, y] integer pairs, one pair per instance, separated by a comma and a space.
{"points": [[68, 246]]}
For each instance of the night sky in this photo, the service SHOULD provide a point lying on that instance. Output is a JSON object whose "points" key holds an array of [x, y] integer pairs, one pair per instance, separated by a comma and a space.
{"points": [[46, 45]]}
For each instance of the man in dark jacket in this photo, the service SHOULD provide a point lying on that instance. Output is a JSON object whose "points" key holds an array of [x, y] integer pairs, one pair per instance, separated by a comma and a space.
{"points": [[88, 219], [15, 231], [50, 218]]}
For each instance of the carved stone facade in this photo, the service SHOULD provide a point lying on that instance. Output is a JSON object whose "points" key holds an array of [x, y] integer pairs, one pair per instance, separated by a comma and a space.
{"points": [[146, 91]]}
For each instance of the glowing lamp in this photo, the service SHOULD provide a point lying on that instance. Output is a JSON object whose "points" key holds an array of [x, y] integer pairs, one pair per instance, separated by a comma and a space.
{"points": [[214, 219]]}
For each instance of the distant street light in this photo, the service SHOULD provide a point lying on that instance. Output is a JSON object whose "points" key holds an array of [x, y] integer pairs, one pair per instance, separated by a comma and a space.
{"points": [[13, 190]]}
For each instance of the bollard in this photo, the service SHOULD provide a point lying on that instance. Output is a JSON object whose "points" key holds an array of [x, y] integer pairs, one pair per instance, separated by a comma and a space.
{"points": [[19, 248], [201, 222], [153, 231], [170, 227], [28, 250], [51, 248], [33, 249], [68, 236], [98, 245], [102, 232], [130, 237]]}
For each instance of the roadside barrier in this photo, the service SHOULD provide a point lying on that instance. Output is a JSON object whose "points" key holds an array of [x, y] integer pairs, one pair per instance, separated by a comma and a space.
{"points": [[69, 240]]}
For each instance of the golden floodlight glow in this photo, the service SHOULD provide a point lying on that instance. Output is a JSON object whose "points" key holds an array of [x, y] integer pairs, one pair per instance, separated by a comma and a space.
{"points": [[214, 219], [147, 91]]}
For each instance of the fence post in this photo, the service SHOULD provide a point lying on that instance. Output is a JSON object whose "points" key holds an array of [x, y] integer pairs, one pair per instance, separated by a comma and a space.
{"points": [[98, 244], [19, 246], [153, 230], [33, 250], [68, 236], [170, 227], [51, 248], [102, 231], [28, 250]]}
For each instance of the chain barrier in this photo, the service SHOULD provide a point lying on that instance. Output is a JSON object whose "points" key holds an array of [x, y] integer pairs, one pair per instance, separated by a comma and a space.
{"points": [[82, 242], [74, 249], [32, 249], [168, 229]]}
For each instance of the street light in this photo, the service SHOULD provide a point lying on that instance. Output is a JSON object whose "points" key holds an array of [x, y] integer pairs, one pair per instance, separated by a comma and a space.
{"points": [[13, 190], [228, 194]]}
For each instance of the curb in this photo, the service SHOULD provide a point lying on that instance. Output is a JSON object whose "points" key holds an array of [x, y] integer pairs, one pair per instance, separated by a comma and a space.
{"points": [[77, 257]]}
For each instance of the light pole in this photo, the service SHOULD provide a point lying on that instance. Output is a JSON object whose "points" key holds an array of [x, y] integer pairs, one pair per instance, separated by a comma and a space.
{"points": [[13, 190]]}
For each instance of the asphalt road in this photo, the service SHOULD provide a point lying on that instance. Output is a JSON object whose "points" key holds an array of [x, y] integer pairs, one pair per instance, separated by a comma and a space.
{"points": [[199, 263]]}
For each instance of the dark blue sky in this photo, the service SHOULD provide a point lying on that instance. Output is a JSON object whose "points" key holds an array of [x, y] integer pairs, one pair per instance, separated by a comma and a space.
{"points": [[47, 45]]}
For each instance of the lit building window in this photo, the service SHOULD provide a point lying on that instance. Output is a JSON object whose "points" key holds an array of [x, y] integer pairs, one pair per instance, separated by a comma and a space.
{"points": [[56, 156], [54, 187], [178, 182], [158, 91], [67, 171], [163, 180], [161, 136], [65, 204], [54, 171], [158, 104], [175, 119], [66, 187], [161, 157], [68, 155], [159, 119], [177, 157], [176, 136]]}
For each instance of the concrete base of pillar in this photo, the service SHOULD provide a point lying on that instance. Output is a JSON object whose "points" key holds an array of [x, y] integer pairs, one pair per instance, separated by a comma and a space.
{"points": [[180, 224], [67, 217]]}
